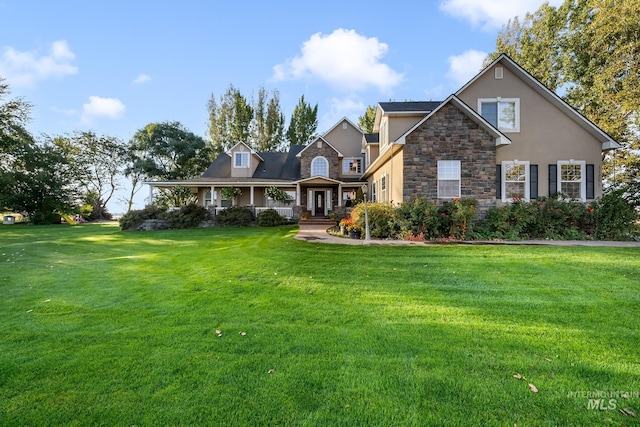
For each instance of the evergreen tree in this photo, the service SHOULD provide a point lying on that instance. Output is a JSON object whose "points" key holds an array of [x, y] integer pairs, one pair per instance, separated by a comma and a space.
{"points": [[229, 120], [303, 124], [367, 120], [268, 123]]}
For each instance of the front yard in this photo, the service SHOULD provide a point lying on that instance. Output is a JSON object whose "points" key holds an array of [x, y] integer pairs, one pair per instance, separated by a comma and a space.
{"points": [[249, 326]]}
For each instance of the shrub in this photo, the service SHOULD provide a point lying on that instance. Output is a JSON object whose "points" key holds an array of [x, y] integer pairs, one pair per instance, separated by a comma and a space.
{"points": [[456, 218], [417, 218], [614, 216], [189, 216], [381, 219], [133, 219], [269, 218], [236, 216]]}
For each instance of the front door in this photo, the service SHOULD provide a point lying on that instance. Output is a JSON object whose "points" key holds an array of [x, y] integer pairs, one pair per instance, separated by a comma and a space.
{"points": [[319, 203]]}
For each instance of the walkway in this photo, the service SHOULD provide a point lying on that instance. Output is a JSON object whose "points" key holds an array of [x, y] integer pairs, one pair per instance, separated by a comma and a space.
{"points": [[318, 233]]}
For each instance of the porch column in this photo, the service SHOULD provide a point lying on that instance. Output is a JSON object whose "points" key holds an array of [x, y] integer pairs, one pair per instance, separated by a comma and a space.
{"points": [[339, 195], [251, 194], [213, 196], [297, 194], [150, 194]]}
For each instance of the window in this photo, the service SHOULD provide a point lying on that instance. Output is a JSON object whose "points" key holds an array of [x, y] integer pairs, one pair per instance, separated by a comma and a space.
{"points": [[448, 179], [241, 160], [571, 182], [352, 166], [383, 189], [515, 178], [374, 197], [503, 113], [384, 138], [319, 167]]}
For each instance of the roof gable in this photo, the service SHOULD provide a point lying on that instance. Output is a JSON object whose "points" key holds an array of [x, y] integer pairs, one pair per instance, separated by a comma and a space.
{"points": [[320, 138], [505, 61], [243, 147]]}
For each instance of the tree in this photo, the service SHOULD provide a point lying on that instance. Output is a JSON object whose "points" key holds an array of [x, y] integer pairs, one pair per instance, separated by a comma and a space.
{"points": [[167, 151], [367, 120], [35, 179], [98, 163], [229, 120], [267, 130], [303, 124], [589, 50]]}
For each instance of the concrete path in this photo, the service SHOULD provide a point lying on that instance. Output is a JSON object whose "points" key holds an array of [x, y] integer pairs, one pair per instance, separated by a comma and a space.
{"points": [[318, 233]]}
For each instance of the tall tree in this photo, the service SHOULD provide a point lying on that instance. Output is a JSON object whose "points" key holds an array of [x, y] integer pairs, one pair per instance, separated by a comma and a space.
{"points": [[267, 130], [367, 120], [167, 151], [98, 162], [589, 50], [229, 120], [303, 124]]}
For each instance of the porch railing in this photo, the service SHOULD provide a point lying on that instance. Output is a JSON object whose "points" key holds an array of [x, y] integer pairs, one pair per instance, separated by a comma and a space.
{"points": [[286, 212]]}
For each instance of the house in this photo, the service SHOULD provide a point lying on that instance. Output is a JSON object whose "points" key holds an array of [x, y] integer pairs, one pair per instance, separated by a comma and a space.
{"points": [[502, 137]]}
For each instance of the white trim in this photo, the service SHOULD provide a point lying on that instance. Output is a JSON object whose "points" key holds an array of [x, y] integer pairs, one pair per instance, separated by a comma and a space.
{"points": [[459, 178], [497, 101], [583, 177], [607, 142], [314, 160], [242, 154], [527, 179]]}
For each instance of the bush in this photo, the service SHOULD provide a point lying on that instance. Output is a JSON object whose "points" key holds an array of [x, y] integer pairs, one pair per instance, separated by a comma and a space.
{"points": [[189, 216], [456, 218], [269, 218], [614, 216], [416, 219], [236, 216], [134, 219], [381, 219]]}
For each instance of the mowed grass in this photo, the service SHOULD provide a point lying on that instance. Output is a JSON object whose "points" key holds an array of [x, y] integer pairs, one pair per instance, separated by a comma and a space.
{"points": [[102, 327]]}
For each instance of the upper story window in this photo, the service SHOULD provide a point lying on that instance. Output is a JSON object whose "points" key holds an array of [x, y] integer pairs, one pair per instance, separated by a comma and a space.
{"points": [[352, 166], [503, 113], [319, 167], [571, 179], [241, 160], [448, 179], [515, 178], [383, 135]]}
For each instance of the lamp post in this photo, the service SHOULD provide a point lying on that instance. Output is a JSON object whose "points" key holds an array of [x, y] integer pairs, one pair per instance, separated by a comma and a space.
{"points": [[367, 235]]}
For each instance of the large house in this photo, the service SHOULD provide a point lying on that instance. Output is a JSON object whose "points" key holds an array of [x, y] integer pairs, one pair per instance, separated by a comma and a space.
{"points": [[503, 136]]}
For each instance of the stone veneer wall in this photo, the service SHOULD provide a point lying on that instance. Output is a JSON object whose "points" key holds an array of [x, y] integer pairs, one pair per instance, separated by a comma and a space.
{"points": [[450, 135], [325, 151]]}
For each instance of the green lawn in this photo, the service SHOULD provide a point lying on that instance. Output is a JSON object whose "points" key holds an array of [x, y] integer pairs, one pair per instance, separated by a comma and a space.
{"points": [[101, 327]]}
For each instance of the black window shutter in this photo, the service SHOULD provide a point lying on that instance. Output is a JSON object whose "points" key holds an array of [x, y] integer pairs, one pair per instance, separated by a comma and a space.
{"points": [[533, 181], [499, 182], [590, 182], [553, 179]]}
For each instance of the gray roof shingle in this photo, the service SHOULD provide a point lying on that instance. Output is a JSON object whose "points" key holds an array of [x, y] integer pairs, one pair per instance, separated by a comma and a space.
{"points": [[409, 106]]}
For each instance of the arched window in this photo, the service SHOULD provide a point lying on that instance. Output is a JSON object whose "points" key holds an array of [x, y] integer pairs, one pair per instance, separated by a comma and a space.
{"points": [[319, 167]]}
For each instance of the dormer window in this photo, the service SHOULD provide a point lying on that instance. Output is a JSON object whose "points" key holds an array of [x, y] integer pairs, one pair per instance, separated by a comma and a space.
{"points": [[241, 160], [319, 167]]}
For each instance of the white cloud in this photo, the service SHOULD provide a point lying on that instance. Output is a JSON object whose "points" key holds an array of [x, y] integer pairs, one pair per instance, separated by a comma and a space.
{"points": [[98, 107], [349, 107], [466, 65], [343, 59], [25, 69], [491, 14], [142, 78]]}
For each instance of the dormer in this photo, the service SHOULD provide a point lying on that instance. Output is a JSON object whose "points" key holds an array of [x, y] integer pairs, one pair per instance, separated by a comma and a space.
{"points": [[244, 160]]}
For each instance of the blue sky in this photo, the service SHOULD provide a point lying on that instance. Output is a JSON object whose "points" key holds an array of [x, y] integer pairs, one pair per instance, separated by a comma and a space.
{"points": [[113, 67]]}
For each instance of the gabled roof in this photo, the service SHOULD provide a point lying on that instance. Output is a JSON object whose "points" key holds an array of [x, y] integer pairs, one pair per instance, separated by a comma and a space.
{"points": [[278, 166], [323, 140], [501, 139], [344, 119], [607, 141], [251, 150]]}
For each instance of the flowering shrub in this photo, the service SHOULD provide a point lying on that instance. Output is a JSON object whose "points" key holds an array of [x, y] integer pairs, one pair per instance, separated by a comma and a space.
{"points": [[456, 218], [381, 219]]}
